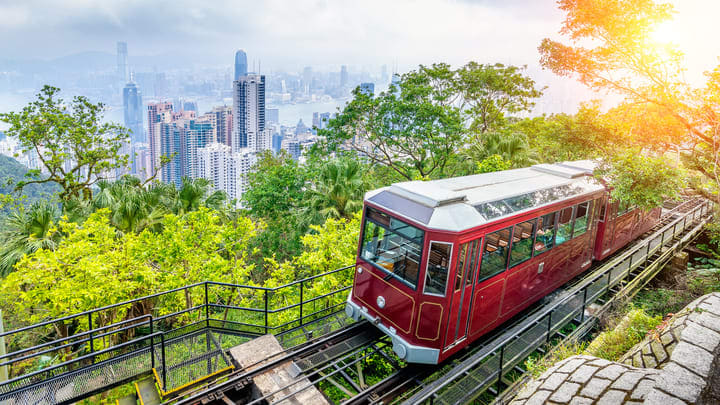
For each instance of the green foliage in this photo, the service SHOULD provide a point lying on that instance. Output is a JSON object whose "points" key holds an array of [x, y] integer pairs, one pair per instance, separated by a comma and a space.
{"points": [[642, 180], [71, 143], [493, 163], [26, 230], [415, 128], [94, 265], [488, 93], [338, 189], [631, 330], [512, 147], [11, 172], [611, 48]]}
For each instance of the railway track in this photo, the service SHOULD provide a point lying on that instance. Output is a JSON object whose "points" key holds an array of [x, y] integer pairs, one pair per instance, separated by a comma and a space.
{"points": [[487, 367]]}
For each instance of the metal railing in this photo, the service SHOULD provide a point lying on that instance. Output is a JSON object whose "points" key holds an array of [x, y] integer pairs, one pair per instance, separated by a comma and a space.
{"points": [[91, 351]]}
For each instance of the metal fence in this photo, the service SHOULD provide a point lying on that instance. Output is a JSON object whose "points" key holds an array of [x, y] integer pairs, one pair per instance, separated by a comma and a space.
{"points": [[181, 334]]}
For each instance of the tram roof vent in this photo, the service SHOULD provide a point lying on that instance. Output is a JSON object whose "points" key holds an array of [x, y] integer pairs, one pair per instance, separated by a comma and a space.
{"points": [[427, 193], [567, 171]]}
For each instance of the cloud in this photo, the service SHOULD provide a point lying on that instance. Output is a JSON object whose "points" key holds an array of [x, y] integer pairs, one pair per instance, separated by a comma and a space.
{"points": [[284, 32]]}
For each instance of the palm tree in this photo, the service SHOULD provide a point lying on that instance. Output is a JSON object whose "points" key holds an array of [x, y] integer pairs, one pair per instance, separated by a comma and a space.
{"points": [[198, 192], [25, 231], [511, 146], [338, 190]]}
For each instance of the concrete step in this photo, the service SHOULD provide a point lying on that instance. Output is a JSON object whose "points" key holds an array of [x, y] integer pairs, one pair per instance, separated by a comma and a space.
{"points": [[147, 392], [127, 400]]}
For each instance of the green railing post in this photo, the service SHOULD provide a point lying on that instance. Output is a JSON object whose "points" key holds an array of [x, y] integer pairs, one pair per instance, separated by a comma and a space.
{"points": [[301, 303], [266, 311], [92, 347], [207, 307], [3, 369]]}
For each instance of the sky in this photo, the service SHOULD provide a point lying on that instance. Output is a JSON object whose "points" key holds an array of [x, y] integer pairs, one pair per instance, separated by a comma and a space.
{"points": [[290, 34]]}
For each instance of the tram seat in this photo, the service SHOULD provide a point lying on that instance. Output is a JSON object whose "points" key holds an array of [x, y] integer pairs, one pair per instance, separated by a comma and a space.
{"points": [[490, 248]]}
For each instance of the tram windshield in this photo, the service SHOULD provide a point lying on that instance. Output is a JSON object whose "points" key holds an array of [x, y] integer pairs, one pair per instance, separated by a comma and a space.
{"points": [[392, 246]]}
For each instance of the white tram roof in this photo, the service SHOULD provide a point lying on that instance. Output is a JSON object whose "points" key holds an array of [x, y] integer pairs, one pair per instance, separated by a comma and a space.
{"points": [[461, 203]]}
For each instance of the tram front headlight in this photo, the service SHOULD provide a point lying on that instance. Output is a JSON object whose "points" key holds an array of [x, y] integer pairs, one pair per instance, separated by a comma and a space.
{"points": [[349, 311], [399, 349]]}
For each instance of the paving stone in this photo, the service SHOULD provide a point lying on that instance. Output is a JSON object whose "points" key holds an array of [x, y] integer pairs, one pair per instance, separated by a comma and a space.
{"points": [[694, 358], [643, 387], [595, 387], [701, 336], [657, 397], [627, 381], [612, 371], [707, 307], [566, 391], [632, 403], [709, 321], [529, 389], [658, 351], [649, 361], [538, 398], [600, 362], [582, 374], [683, 383], [553, 381], [666, 338], [570, 365], [612, 397], [581, 401]]}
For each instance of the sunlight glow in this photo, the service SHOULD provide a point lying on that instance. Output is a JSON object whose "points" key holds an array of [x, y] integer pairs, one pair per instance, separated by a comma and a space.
{"points": [[666, 32]]}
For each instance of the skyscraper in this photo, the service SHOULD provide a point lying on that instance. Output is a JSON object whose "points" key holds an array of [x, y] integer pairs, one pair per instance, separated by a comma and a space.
{"points": [[248, 110], [157, 114], [240, 64], [132, 107], [122, 62], [343, 76]]}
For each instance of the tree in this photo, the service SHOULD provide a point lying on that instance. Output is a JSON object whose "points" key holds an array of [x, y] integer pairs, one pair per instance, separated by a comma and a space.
{"points": [[74, 148], [94, 266], [338, 190], [411, 128], [623, 58], [511, 146], [24, 231], [416, 127], [276, 198], [488, 93]]}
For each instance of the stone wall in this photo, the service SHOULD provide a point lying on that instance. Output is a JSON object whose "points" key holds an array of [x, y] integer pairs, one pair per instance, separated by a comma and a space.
{"points": [[681, 365]]}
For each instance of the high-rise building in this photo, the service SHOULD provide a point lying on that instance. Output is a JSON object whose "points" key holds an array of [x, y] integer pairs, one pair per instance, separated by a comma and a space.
{"points": [[248, 110], [157, 114], [343, 76], [240, 64], [199, 133], [172, 137], [223, 123], [226, 170], [368, 89], [132, 108], [122, 62], [384, 74]]}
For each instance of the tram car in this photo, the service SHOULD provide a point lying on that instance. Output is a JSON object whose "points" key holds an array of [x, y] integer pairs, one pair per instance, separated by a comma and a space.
{"points": [[441, 263]]}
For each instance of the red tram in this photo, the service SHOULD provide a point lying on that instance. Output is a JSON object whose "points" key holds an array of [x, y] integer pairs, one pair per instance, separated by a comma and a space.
{"points": [[440, 263]]}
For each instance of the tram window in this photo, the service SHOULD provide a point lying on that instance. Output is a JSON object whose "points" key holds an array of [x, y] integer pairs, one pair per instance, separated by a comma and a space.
{"points": [[436, 274], [581, 218], [601, 218], [522, 242], [545, 238], [392, 246], [461, 265], [565, 224], [473, 261], [495, 253]]}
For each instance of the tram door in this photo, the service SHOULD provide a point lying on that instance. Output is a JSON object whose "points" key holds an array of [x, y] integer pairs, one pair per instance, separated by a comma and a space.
{"points": [[467, 263]]}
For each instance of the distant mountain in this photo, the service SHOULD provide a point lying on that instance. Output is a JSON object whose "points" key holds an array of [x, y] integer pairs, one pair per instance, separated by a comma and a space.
{"points": [[12, 169]]}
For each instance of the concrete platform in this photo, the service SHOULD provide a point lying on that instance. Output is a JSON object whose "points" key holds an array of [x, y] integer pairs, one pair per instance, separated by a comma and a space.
{"points": [[257, 350]]}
